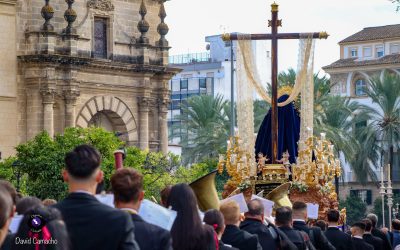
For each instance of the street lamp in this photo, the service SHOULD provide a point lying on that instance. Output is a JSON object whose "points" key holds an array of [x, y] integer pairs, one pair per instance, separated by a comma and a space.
{"points": [[17, 172]]}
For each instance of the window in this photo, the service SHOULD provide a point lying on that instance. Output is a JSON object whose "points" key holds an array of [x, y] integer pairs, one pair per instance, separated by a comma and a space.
{"points": [[379, 51], [394, 48], [360, 87], [367, 52], [202, 83], [184, 83], [100, 37], [364, 194], [353, 52]]}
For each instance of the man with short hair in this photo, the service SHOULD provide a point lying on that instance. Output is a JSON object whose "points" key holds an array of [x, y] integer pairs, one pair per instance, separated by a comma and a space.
{"points": [[91, 224], [396, 232], [339, 239], [232, 234], [127, 186], [376, 242], [317, 237], [357, 231], [283, 220], [269, 236], [6, 212], [14, 197], [378, 233]]}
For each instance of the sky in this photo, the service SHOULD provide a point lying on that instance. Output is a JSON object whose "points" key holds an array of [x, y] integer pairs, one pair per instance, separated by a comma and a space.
{"points": [[190, 21]]}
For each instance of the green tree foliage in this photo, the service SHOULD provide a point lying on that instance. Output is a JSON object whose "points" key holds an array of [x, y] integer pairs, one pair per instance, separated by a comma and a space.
{"points": [[355, 208], [260, 111], [378, 209]]}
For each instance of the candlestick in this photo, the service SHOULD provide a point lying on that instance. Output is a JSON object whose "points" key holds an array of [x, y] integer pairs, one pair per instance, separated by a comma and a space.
{"points": [[382, 174], [388, 172]]}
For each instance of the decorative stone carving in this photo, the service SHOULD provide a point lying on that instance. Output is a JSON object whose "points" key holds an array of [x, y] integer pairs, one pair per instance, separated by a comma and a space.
{"points": [[143, 25], [162, 28], [47, 14], [104, 5], [71, 96], [70, 16], [163, 105], [48, 95]]}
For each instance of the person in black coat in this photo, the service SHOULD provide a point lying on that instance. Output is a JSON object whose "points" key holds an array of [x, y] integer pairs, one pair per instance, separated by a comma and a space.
{"points": [[378, 233], [233, 235], [339, 239], [91, 224], [376, 242], [317, 237], [127, 186], [357, 232]]}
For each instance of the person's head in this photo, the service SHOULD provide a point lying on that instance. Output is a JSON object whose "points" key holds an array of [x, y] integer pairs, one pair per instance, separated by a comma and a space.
{"points": [[127, 186], [368, 225], [183, 200], [321, 224], [164, 195], [299, 210], [333, 216], [214, 218], [358, 229], [231, 212], [53, 229], [396, 224], [82, 169], [11, 190], [283, 217], [373, 218], [256, 210], [6, 212], [49, 202], [27, 203]]}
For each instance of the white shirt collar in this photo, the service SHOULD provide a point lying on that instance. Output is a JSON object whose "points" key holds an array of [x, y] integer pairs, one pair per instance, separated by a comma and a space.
{"points": [[299, 220], [358, 237], [129, 210]]}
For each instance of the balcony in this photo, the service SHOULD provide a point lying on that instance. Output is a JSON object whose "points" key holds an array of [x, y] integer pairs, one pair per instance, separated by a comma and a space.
{"points": [[190, 58]]}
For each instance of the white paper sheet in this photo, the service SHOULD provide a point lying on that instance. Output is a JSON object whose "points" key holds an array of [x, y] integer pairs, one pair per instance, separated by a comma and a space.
{"points": [[312, 210], [239, 198], [107, 199], [157, 215], [15, 221], [268, 205]]}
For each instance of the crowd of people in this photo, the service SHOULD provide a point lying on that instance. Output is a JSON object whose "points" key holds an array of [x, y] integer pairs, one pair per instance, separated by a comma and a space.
{"points": [[80, 221]]}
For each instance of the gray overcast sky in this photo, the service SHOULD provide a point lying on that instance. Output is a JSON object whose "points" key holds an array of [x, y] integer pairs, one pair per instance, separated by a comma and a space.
{"points": [[191, 20]]}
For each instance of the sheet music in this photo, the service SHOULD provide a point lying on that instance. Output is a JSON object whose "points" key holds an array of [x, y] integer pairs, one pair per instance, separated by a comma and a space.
{"points": [[239, 198], [155, 214], [107, 199], [312, 210], [268, 205], [15, 221]]}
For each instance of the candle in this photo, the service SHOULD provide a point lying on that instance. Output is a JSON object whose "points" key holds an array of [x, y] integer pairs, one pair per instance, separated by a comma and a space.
{"points": [[323, 136], [382, 174], [388, 172]]}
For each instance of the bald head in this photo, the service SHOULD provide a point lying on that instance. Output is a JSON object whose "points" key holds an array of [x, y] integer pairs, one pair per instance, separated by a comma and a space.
{"points": [[256, 208]]}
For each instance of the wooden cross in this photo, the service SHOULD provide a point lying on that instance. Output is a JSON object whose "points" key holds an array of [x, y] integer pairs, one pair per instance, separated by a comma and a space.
{"points": [[274, 37]]}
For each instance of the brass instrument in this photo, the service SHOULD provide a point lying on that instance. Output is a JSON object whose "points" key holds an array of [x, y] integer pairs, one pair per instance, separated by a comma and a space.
{"points": [[280, 196], [205, 191]]}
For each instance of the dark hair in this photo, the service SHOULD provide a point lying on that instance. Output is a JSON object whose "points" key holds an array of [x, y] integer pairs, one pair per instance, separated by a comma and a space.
{"points": [[333, 215], [359, 224], [368, 224], [188, 231], [214, 218], [27, 203], [82, 161], [283, 216], [11, 190], [321, 224], [54, 226], [299, 205], [164, 195], [396, 224], [255, 207], [6, 206], [126, 184]]}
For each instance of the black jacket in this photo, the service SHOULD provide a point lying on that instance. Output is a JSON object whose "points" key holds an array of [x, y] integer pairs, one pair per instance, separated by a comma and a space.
{"points": [[240, 239], [149, 236], [376, 242], [378, 233], [318, 239], [339, 239], [93, 225], [299, 238], [265, 238], [360, 244], [222, 246]]}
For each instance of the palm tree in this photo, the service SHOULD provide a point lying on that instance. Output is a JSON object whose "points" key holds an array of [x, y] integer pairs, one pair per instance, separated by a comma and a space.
{"points": [[382, 131]]}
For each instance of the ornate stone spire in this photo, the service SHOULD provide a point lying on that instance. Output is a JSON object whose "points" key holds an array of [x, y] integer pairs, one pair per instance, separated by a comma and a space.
{"points": [[47, 14], [143, 25], [70, 16], [162, 28]]}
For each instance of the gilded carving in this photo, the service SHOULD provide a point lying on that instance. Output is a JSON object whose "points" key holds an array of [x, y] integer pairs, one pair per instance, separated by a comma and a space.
{"points": [[104, 5]]}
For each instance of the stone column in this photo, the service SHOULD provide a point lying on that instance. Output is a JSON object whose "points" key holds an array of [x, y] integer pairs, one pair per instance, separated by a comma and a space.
{"points": [[163, 124], [48, 110], [70, 97], [144, 103]]}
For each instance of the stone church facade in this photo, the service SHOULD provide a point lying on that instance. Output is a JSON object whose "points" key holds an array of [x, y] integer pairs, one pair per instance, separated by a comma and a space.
{"points": [[69, 63]]}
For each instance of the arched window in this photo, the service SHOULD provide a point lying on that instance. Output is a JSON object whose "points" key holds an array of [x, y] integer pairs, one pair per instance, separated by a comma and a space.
{"points": [[360, 87]]}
